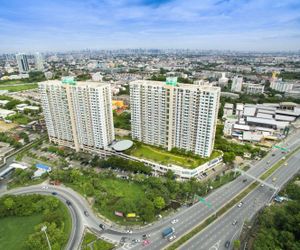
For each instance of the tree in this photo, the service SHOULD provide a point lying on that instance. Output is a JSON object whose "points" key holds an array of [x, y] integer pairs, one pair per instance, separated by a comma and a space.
{"points": [[236, 244], [159, 202], [9, 203]]}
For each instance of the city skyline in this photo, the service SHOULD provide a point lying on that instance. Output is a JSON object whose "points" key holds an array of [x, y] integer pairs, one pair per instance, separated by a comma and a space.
{"points": [[235, 25]]}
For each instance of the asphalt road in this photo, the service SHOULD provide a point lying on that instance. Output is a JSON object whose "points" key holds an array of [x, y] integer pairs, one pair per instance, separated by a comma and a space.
{"points": [[188, 217], [215, 236]]}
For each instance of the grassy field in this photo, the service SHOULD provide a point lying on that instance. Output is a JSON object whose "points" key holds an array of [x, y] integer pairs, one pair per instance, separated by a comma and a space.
{"points": [[19, 87], [97, 244], [164, 157], [15, 230], [116, 189]]}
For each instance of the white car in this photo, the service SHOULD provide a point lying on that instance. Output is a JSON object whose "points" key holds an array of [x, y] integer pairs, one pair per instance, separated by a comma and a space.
{"points": [[240, 204], [44, 187], [174, 221], [129, 231], [172, 237]]}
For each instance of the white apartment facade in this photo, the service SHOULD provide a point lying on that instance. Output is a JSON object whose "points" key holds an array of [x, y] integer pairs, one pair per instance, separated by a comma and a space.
{"points": [[172, 115], [237, 84], [253, 89], [78, 114], [281, 86]]}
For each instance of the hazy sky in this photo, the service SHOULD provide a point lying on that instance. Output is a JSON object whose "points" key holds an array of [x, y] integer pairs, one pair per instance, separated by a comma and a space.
{"points": [[44, 25]]}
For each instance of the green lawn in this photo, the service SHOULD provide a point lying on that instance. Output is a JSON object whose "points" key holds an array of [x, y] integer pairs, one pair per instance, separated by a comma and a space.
{"points": [[115, 189], [15, 230], [20, 87], [164, 157]]}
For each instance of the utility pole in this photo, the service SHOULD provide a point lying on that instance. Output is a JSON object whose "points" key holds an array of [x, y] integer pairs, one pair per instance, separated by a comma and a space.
{"points": [[43, 229]]}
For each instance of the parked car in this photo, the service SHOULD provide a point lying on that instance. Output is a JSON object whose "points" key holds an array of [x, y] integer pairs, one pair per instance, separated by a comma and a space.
{"points": [[86, 213], [172, 237]]}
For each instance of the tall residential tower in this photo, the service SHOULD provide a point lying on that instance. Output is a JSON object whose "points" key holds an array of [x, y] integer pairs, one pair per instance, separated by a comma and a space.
{"points": [[174, 115], [78, 114], [22, 62]]}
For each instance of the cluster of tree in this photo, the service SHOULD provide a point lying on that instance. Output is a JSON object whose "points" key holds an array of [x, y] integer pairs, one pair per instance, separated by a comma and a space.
{"points": [[125, 91], [279, 224], [160, 193], [5, 137], [290, 75], [36, 76], [48, 207], [122, 120], [56, 150], [83, 77], [19, 118], [24, 136], [120, 163], [231, 149]]}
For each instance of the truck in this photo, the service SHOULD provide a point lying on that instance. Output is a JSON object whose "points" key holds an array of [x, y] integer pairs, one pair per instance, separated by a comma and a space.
{"points": [[168, 232]]}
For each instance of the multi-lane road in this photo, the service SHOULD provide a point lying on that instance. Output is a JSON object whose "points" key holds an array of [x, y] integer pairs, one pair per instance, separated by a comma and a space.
{"points": [[213, 237]]}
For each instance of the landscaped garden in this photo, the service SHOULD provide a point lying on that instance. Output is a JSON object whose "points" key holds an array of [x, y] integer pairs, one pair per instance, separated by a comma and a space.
{"points": [[164, 157], [91, 242]]}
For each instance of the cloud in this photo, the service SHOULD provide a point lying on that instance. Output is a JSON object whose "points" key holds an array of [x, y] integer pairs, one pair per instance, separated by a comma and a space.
{"points": [[76, 24]]}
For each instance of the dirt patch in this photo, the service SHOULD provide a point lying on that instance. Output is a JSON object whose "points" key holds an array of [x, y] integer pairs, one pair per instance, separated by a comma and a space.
{"points": [[4, 127]]}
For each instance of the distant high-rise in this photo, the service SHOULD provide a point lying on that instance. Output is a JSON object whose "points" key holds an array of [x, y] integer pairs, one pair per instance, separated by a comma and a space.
{"points": [[22, 62], [237, 84], [39, 61], [78, 114], [174, 115]]}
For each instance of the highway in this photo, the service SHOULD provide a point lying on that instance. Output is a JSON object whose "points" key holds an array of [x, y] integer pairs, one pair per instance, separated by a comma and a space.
{"points": [[222, 230], [188, 217]]}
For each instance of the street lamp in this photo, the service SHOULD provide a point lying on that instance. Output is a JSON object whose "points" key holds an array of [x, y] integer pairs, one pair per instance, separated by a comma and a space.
{"points": [[43, 229]]}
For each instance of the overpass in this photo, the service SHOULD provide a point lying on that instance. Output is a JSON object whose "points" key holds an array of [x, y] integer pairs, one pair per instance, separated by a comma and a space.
{"points": [[255, 178]]}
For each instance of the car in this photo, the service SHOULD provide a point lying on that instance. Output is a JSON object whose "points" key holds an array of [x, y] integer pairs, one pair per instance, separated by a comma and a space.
{"points": [[102, 226], [274, 179], [234, 222], [172, 237], [273, 154], [44, 187], [146, 236], [86, 213], [262, 185], [174, 221], [244, 180], [129, 231], [68, 202], [136, 240], [54, 193], [240, 204], [146, 242], [227, 244], [285, 164]]}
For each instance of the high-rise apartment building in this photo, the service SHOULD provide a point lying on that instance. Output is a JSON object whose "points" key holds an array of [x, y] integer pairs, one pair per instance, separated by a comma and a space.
{"points": [[174, 115], [78, 114], [237, 84], [22, 62], [39, 61]]}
